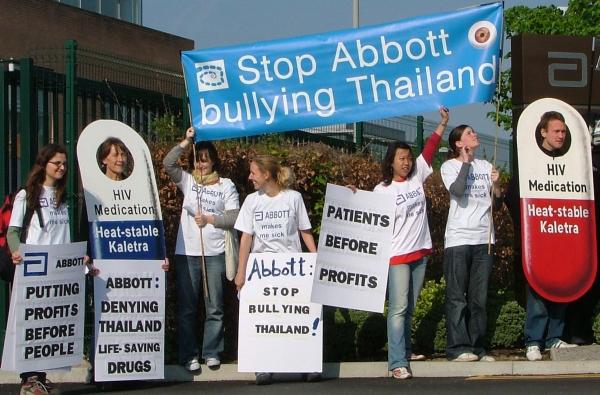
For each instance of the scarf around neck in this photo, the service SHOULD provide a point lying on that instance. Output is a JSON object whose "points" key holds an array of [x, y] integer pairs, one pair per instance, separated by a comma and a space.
{"points": [[207, 179]]}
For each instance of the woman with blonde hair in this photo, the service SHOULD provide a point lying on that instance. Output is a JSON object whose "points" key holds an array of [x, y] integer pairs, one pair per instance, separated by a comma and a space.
{"points": [[283, 210]]}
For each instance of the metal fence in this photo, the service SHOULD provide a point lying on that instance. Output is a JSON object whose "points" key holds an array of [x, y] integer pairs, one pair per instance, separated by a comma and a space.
{"points": [[53, 99], [414, 130]]}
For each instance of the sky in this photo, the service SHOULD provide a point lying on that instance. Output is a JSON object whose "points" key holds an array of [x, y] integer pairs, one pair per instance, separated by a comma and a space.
{"points": [[217, 23]]}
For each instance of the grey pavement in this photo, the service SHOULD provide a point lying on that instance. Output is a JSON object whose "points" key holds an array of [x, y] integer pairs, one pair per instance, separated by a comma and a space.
{"points": [[573, 361], [357, 386]]}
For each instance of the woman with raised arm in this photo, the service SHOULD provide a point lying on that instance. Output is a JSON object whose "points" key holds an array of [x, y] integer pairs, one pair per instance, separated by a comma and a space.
{"points": [[210, 205], [403, 177], [468, 257]]}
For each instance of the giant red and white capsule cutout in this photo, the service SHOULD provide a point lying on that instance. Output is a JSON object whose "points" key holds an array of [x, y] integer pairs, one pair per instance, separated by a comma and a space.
{"points": [[557, 200]]}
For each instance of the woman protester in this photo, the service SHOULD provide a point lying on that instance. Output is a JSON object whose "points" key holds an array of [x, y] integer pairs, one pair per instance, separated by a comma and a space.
{"points": [[40, 216], [114, 159], [273, 194], [210, 205], [403, 177], [467, 251]]}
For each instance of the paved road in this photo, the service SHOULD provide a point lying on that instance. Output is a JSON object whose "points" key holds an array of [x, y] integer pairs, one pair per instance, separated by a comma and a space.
{"points": [[588, 384]]}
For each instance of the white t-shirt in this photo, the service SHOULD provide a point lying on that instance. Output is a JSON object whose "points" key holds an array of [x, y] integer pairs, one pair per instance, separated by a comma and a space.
{"points": [[274, 221], [56, 220], [411, 229], [215, 199], [469, 216]]}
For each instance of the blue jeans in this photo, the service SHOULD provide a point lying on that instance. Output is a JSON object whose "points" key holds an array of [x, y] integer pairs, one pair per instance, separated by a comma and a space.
{"points": [[404, 285], [545, 320], [189, 290], [467, 271]]}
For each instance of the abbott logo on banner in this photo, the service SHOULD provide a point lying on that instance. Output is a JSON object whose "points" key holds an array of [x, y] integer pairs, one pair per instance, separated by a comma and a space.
{"points": [[211, 76]]}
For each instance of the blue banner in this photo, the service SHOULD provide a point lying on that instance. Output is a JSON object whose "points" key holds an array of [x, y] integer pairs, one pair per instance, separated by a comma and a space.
{"points": [[129, 240], [375, 72]]}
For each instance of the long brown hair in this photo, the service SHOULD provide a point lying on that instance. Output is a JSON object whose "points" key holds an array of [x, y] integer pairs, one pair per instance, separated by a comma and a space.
{"points": [[37, 176]]}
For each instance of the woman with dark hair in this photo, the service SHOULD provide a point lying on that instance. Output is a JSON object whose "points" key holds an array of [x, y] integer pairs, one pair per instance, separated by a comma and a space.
{"points": [[210, 205], [42, 205], [114, 159], [403, 177], [467, 259]]}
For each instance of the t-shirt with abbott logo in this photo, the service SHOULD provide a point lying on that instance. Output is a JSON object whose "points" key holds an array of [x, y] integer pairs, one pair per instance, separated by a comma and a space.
{"points": [[274, 221], [469, 215], [214, 199], [56, 220], [411, 230]]}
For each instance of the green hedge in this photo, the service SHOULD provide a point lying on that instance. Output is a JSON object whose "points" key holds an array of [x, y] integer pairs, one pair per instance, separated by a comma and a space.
{"points": [[352, 335]]}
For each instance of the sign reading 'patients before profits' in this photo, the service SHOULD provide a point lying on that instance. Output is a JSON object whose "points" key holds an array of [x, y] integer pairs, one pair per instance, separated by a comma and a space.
{"points": [[46, 317], [374, 72], [354, 249], [279, 329], [127, 240]]}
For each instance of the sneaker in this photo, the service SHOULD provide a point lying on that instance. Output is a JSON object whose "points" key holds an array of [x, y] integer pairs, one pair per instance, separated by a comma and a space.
{"points": [[533, 353], [33, 386], [213, 362], [264, 378], [192, 365], [401, 373], [561, 344], [486, 358], [417, 357], [466, 357]]}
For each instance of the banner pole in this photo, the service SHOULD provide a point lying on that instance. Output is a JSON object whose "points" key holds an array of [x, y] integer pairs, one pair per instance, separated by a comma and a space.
{"points": [[498, 91]]}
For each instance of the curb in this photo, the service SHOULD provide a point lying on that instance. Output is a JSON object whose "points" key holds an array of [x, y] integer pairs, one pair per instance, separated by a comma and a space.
{"points": [[228, 372]]}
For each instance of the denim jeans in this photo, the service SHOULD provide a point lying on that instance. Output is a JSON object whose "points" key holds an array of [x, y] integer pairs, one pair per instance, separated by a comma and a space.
{"points": [[404, 285], [467, 271], [189, 290], [545, 320]]}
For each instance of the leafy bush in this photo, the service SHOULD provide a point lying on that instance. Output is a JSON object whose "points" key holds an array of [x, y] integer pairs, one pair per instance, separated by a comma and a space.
{"points": [[428, 313], [508, 325], [596, 325]]}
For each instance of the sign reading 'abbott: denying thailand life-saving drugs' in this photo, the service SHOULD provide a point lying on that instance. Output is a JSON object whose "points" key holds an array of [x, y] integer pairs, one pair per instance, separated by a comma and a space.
{"points": [[353, 75]]}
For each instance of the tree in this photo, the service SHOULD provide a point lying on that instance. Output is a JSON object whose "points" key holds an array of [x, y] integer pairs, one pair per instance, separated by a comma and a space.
{"points": [[581, 19]]}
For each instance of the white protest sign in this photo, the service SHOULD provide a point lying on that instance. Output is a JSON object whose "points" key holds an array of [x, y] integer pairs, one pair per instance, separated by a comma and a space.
{"points": [[279, 329], [354, 249], [127, 239], [46, 319]]}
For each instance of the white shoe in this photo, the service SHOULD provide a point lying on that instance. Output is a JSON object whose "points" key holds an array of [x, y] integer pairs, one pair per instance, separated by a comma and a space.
{"points": [[417, 357], [401, 373], [533, 353], [192, 365], [212, 362], [487, 358], [562, 344], [466, 357]]}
